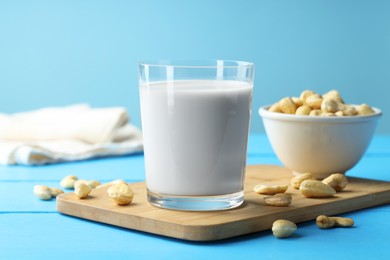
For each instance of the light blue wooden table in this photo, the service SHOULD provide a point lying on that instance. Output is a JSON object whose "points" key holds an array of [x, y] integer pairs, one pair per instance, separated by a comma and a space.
{"points": [[33, 229]]}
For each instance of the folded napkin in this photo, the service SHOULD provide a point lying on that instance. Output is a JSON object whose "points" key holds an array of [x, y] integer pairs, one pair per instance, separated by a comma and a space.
{"points": [[69, 133]]}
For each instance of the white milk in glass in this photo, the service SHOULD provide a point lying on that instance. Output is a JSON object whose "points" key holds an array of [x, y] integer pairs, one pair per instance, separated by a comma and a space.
{"points": [[195, 136]]}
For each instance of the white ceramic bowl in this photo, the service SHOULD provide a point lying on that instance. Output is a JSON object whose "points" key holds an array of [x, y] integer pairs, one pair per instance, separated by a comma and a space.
{"points": [[316, 144]]}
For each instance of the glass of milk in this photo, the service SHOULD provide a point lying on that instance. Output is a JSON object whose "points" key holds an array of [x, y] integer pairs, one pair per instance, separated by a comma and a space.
{"points": [[195, 121]]}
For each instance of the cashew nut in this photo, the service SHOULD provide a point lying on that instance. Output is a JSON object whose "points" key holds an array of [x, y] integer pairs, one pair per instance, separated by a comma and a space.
{"points": [[275, 108], [278, 200], [337, 181], [365, 110], [121, 193], [297, 101], [68, 181], [82, 190], [314, 101], [303, 110], [333, 95], [46, 193], [349, 111], [323, 221], [330, 106], [297, 180], [283, 228], [55, 191], [270, 190], [287, 105], [315, 112], [305, 94], [339, 113], [42, 192], [316, 189]]}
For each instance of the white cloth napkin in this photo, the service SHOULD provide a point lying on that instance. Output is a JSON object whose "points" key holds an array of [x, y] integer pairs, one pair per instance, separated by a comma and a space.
{"points": [[71, 133]]}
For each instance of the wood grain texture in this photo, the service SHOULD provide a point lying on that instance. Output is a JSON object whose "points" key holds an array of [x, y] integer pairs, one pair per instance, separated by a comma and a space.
{"points": [[252, 216]]}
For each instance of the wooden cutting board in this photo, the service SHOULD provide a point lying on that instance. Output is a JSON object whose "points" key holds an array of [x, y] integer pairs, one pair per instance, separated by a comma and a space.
{"points": [[252, 216]]}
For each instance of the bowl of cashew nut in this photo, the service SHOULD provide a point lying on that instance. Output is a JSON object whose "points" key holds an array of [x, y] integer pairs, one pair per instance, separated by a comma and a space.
{"points": [[320, 134]]}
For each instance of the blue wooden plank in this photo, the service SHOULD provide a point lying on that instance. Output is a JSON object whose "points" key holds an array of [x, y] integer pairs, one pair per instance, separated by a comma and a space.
{"points": [[19, 197], [31, 228], [32, 236]]}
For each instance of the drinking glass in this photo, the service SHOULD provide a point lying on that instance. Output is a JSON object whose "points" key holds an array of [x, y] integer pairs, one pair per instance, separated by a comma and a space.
{"points": [[195, 122]]}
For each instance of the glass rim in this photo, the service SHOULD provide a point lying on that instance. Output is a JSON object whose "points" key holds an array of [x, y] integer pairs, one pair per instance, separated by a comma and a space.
{"points": [[187, 63]]}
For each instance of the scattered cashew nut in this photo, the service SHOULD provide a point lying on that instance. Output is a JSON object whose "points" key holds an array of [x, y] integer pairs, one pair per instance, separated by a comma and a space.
{"points": [[278, 200], [55, 191], [270, 190], [323, 221], [316, 189], [42, 192], [46, 193], [68, 181], [82, 190], [121, 193], [283, 228], [337, 181], [297, 180]]}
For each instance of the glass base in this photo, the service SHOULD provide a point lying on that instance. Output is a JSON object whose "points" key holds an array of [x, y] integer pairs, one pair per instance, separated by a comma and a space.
{"points": [[196, 203]]}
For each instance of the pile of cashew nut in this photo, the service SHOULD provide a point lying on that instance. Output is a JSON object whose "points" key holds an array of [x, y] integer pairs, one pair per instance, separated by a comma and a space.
{"points": [[309, 187], [118, 190], [310, 103]]}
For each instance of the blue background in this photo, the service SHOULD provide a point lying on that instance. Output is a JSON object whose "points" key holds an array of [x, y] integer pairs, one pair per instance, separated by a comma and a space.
{"points": [[65, 52]]}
